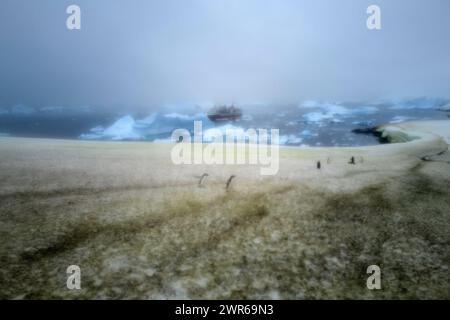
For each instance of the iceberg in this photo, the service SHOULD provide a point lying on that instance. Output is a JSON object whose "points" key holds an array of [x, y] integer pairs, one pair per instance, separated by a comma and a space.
{"points": [[154, 126], [445, 107], [418, 103], [290, 139], [329, 112], [122, 129], [147, 121], [399, 119], [332, 112], [308, 134], [317, 116]]}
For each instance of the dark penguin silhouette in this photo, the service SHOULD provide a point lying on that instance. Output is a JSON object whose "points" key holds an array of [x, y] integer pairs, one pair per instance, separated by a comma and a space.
{"points": [[202, 178], [229, 181], [352, 160], [319, 165]]}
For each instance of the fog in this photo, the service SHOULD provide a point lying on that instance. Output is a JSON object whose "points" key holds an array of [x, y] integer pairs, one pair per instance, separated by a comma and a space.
{"points": [[143, 54]]}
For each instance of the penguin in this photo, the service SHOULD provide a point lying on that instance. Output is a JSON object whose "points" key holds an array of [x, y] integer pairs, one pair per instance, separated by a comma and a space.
{"points": [[202, 178], [229, 181]]}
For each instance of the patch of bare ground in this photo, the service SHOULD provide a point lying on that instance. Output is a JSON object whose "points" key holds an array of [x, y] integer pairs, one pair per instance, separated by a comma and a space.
{"points": [[273, 240]]}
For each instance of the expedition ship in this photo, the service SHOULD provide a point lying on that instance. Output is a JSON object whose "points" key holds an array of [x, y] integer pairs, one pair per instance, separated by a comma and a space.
{"points": [[224, 113]]}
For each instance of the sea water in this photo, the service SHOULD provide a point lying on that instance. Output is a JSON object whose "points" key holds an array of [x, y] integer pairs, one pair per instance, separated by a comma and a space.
{"points": [[310, 123]]}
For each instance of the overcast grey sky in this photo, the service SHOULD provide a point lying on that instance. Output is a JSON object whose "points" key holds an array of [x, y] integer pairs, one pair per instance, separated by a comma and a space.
{"points": [[142, 53]]}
